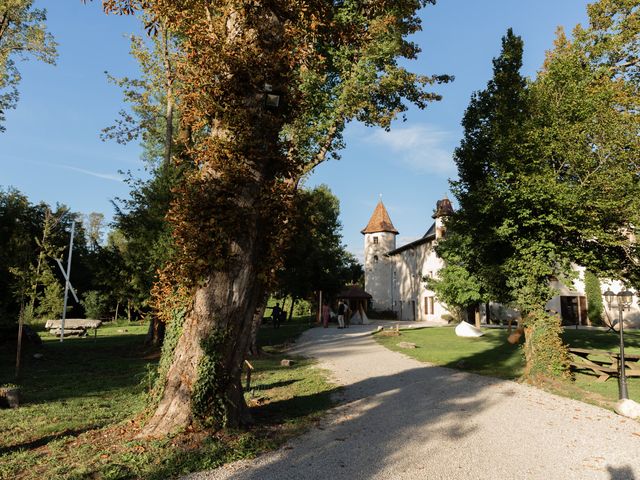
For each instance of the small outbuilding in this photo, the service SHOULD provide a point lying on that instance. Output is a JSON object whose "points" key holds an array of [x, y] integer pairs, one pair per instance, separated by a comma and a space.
{"points": [[357, 299]]}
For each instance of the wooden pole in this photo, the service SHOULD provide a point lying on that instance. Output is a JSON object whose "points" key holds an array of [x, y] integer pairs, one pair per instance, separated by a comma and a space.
{"points": [[19, 353], [68, 281]]}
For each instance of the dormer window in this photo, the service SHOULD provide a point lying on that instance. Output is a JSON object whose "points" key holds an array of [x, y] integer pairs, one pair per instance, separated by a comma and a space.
{"points": [[375, 240]]}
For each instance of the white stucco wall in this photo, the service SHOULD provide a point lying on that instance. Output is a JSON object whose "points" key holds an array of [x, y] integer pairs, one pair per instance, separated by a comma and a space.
{"points": [[410, 267], [378, 274]]}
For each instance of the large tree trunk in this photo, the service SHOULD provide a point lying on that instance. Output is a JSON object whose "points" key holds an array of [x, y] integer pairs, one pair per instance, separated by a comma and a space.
{"points": [[204, 379], [224, 215], [223, 310]]}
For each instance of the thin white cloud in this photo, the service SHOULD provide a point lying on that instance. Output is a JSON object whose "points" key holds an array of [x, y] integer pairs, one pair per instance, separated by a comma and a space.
{"points": [[107, 176], [421, 147]]}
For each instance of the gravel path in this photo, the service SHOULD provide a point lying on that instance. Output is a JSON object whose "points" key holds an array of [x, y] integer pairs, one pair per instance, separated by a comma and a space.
{"points": [[401, 419]]}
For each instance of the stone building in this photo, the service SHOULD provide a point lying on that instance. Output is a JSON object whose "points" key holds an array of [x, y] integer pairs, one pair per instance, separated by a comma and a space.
{"points": [[394, 276]]}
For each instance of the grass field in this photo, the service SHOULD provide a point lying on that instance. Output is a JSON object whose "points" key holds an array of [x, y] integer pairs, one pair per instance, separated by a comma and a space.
{"points": [[492, 355], [85, 400]]}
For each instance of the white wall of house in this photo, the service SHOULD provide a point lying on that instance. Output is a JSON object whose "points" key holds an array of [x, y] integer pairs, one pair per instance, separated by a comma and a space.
{"points": [[411, 298]]}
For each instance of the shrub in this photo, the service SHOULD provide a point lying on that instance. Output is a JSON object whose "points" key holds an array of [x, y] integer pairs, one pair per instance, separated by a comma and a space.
{"points": [[595, 308]]}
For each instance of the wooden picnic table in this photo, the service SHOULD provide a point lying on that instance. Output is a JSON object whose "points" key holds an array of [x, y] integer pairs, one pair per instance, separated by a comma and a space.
{"points": [[603, 363]]}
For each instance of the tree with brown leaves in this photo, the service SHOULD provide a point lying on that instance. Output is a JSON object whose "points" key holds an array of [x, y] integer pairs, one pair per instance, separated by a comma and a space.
{"points": [[266, 89]]}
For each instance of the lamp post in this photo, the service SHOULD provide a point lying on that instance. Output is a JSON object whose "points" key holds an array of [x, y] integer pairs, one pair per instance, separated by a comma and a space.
{"points": [[624, 300]]}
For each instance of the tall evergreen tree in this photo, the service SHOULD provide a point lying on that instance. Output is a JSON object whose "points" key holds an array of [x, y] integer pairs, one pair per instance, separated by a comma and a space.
{"points": [[509, 213]]}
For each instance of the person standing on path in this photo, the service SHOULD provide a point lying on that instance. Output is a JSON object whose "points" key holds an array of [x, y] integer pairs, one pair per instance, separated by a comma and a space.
{"points": [[326, 312], [341, 313], [275, 315]]}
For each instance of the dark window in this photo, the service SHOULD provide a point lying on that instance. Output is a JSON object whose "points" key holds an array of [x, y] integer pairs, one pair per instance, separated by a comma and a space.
{"points": [[375, 259], [428, 305], [375, 240]]}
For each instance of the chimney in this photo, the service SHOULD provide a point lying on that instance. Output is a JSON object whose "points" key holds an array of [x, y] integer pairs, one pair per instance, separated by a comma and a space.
{"points": [[443, 210]]}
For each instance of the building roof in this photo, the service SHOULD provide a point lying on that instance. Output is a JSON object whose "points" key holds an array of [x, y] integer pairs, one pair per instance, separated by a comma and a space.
{"points": [[443, 208], [353, 292], [380, 221], [427, 237]]}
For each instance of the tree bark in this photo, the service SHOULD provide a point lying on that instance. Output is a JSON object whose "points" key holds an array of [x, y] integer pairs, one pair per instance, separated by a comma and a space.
{"points": [[155, 333], [254, 348], [293, 303], [217, 331], [226, 303]]}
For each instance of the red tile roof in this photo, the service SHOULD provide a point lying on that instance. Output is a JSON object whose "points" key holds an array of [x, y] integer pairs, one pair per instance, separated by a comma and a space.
{"points": [[380, 221]]}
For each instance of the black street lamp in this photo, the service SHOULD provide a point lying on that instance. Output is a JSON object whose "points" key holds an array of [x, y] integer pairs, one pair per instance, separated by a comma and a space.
{"points": [[624, 300]]}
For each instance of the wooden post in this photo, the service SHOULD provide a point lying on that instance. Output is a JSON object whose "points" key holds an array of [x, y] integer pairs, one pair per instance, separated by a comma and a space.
{"points": [[477, 315], [249, 370], [319, 320]]}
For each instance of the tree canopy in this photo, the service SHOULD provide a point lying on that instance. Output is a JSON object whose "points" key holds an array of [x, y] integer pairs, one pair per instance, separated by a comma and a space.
{"points": [[23, 34], [315, 258]]}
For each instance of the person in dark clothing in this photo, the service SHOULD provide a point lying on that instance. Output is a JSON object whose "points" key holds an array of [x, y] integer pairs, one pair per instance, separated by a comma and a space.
{"points": [[283, 317], [276, 313]]}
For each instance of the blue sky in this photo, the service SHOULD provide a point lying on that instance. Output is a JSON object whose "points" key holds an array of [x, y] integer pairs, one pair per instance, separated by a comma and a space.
{"points": [[52, 150]]}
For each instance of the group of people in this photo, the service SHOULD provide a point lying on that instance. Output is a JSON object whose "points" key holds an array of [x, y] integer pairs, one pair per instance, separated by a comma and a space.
{"points": [[343, 314], [278, 315]]}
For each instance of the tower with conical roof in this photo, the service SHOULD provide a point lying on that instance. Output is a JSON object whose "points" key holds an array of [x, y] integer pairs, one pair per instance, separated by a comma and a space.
{"points": [[379, 238]]}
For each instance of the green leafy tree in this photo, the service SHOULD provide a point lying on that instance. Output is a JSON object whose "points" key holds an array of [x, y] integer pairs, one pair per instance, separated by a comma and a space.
{"points": [[454, 285], [51, 301], [94, 226], [23, 34], [95, 304], [265, 96], [549, 175], [20, 225], [152, 118], [316, 259]]}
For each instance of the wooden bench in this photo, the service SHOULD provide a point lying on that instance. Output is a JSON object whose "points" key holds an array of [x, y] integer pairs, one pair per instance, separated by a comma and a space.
{"points": [[73, 326], [603, 363]]}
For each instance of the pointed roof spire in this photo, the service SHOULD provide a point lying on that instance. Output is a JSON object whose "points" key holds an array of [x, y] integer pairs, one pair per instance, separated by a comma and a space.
{"points": [[380, 221], [443, 208]]}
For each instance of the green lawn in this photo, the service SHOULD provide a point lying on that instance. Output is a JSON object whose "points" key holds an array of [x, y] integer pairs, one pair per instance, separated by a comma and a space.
{"points": [[492, 355], [85, 400]]}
